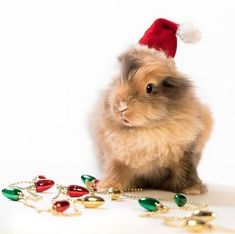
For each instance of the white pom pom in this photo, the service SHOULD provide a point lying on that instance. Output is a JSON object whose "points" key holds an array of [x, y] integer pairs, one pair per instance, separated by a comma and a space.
{"points": [[188, 33]]}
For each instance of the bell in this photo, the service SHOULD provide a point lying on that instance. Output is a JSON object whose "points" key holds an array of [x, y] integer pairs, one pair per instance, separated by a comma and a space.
{"points": [[114, 193], [203, 215], [196, 225], [91, 201]]}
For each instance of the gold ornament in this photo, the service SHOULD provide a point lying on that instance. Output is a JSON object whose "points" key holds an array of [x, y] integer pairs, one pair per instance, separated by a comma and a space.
{"points": [[196, 225], [115, 193], [91, 201], [203, 215]]}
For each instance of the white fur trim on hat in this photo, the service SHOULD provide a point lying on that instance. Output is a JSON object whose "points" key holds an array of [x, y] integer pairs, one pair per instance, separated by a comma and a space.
{"points": [[188, 33]]}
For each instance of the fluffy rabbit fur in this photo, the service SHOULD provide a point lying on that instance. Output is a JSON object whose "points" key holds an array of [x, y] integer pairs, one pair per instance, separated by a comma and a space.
{"points": [[150, 139]]}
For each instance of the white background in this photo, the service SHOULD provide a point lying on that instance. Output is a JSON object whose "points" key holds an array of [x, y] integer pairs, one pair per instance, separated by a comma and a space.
{"points": [[56, 56]]}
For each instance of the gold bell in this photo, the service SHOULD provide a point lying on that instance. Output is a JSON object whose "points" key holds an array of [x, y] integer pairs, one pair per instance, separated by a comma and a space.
{"points": [[203, 215], [91, 201], [196, 225], [114, 193]]}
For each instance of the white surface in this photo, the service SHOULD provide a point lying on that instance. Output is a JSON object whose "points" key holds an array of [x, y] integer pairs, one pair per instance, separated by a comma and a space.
{"points": [[114, 216], [55, 56]]}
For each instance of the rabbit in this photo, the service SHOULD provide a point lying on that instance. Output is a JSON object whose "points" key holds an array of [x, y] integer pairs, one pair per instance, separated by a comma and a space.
{"points": [[149, 128]]}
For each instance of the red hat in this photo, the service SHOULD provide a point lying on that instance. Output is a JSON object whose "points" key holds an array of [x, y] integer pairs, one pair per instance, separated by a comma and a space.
{"points": [[162, 36]]}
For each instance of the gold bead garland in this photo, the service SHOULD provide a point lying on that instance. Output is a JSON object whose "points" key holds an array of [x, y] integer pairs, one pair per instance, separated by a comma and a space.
{"points": [[65, 201]]}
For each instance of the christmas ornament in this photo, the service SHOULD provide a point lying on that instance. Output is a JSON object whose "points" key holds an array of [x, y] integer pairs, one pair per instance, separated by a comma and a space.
{"points": [[87, 178], [115, 193], [27, 192], [38, 185], [91, 201], [180, 199], [43, 185], [13, 194], [76, 191], [61, 206], [197, 221], [72, 191], [150, 204], [203, 215], [90, 181]]}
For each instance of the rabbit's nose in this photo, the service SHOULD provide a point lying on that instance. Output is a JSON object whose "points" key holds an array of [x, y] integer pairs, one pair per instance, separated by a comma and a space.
{"points": [[122, 106]]}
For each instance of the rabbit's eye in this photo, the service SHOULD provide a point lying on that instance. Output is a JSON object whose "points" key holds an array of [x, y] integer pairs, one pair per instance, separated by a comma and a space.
{"points": [[149, 88]]}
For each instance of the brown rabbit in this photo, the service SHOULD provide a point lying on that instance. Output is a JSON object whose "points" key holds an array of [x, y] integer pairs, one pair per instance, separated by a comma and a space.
{"points": [[150, 128]]}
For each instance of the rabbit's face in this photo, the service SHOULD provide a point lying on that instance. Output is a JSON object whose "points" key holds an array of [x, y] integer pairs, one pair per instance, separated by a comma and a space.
{"points": [[147, 89]]}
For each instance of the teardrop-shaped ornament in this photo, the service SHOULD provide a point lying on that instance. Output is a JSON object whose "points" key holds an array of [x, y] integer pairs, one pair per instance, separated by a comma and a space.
{"points": [[13, 194], [91, 201], [196, 225], [61, 206], [150, 204], [87, 178], [43, 185], [203, 215], [180, 199], [76, 191]]}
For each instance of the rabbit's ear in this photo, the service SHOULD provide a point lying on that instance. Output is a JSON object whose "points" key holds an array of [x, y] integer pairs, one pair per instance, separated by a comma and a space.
{"points": [[129, 65], [175, 87]]}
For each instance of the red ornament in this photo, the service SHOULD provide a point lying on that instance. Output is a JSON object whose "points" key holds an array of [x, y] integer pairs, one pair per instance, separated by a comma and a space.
{"points": [[76, 191], [61, 206], [43, 185], [41, 177]]}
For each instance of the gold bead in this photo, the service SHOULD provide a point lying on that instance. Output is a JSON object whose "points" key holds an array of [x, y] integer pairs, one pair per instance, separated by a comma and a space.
{"points": [[91, 201], [196, 225], [203, 215], [114, 193]]}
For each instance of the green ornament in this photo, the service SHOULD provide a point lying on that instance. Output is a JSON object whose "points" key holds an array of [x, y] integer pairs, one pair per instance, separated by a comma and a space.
{"points": [[180, 199], [13, 194], [149, 203], [87, 178]]}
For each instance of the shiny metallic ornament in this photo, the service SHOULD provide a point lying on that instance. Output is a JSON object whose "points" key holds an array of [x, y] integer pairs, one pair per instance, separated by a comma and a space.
{"points": [[43, 185], [114, 193], [150, 204], [61, 206], [196, 225], [203, 215], [91, 201], [87, 178], [76, 191], [180, 199], [13, 194]]}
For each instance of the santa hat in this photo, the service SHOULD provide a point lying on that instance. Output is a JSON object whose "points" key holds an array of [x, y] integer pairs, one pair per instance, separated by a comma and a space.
{"points": [[162, 36]]}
